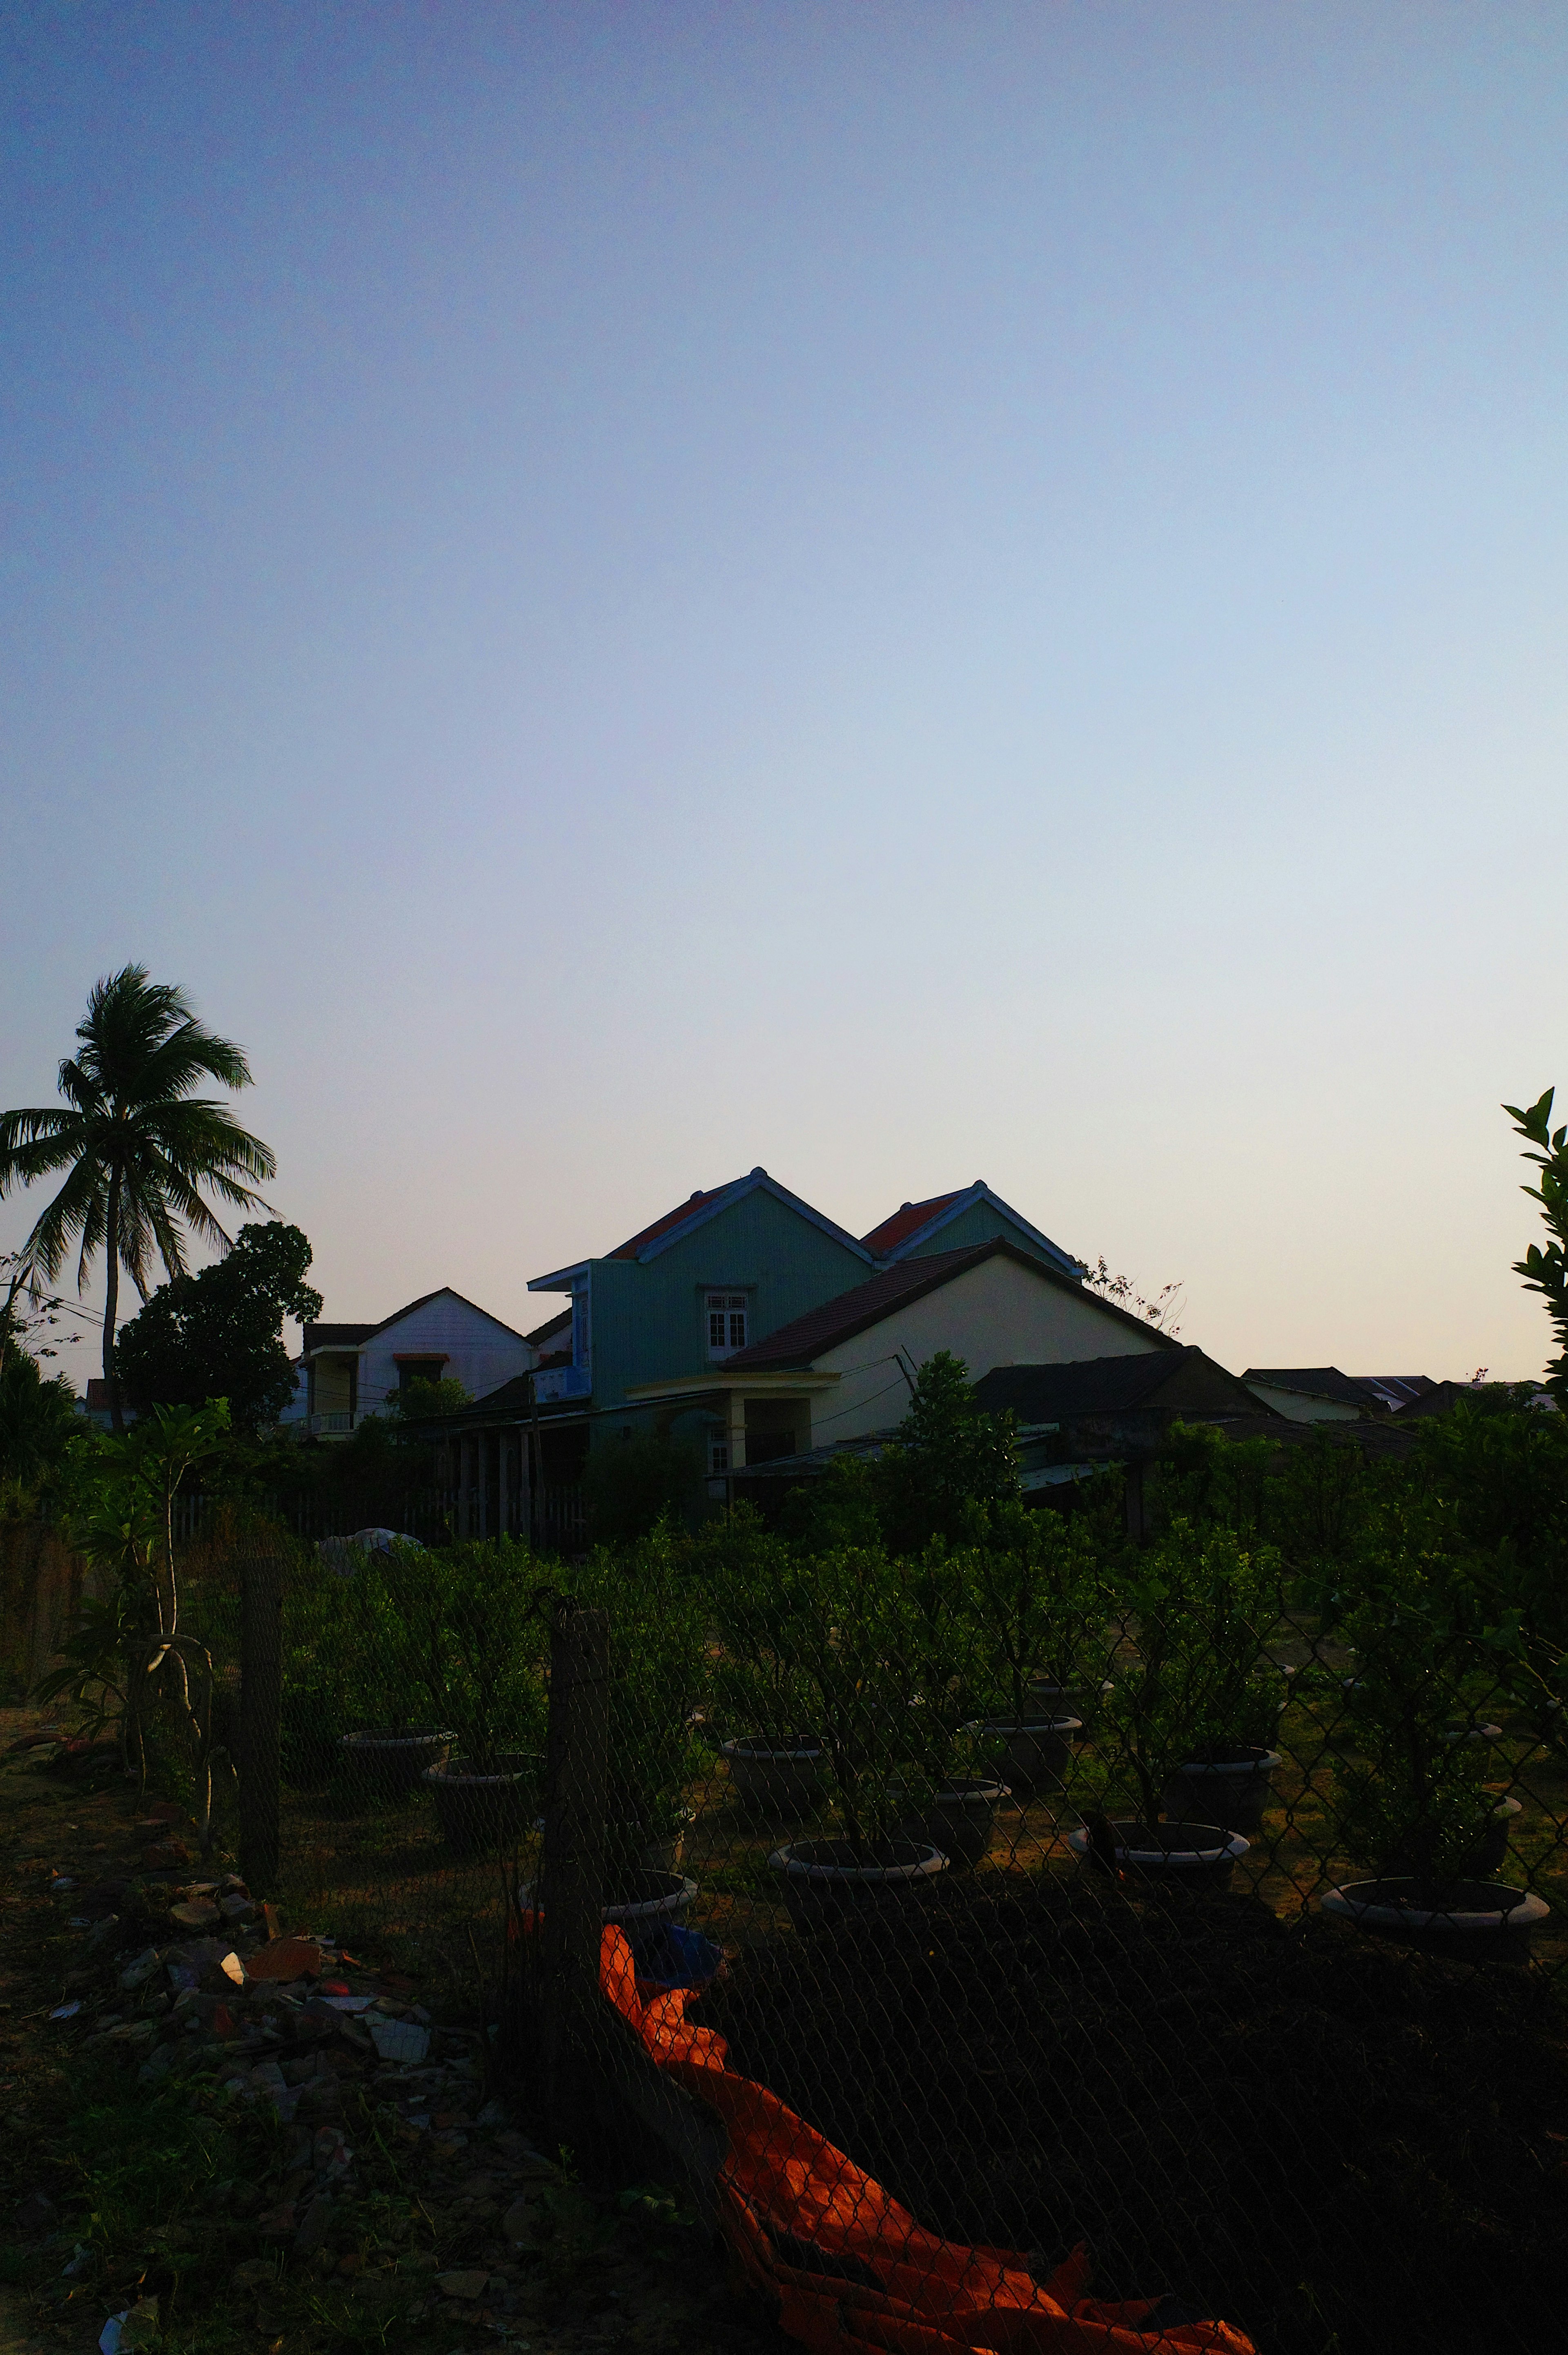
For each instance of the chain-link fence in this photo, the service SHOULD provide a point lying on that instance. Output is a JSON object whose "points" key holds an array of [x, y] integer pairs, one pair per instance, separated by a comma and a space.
{"points": [[1031, 1934]]}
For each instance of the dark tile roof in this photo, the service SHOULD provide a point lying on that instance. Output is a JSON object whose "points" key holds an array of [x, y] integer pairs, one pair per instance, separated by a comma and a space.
{"points": [[551, 1324], [337, 1337], [1314, 1382], [1397, 1390], [805, 1337], [906, 1222], [629, 1249], [1113, 1386]]}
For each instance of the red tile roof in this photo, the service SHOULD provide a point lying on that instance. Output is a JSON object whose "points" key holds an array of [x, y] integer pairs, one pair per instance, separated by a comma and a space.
{"points": [[670, 1219], [904, 1222]]}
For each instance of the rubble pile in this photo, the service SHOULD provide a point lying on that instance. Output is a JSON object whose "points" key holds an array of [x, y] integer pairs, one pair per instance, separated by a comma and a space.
{"points": [[308, 2035]]}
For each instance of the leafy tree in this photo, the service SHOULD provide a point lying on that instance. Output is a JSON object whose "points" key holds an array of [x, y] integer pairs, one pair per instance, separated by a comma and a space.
{"points": [[37, 1419], [635, 1483], [219, 1334], [1546, 1271], [947, 1456], [138, 1145]]}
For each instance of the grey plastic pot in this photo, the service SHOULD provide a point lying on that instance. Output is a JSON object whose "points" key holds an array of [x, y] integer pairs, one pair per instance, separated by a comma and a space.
{"points": [[1476, 1921], [959, 1820], [1186, 1855], [779, 1779], [1083, 1702], [639, 1902], [1230, 1792], [481, 1811], [1039, 1750], [390, 1762], [822, 1882]]}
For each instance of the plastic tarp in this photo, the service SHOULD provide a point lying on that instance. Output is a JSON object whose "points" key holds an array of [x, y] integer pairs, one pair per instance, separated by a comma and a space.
{"points": [[846, 2265]]}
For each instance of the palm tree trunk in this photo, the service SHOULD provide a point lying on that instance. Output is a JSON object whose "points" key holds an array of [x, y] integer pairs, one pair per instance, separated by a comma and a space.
{"points": [[111, 1304]]}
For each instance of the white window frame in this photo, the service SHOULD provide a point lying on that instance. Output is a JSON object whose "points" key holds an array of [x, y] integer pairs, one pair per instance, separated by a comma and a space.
{"points": [[731, 1311], [718, 1452]]}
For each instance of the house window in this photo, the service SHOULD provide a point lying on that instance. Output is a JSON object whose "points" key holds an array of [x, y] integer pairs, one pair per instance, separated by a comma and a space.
{"points": [[718, 1453], [727, 1323], [418, 1370]]}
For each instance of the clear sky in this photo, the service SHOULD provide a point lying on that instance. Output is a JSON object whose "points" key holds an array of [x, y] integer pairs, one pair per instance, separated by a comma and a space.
{"points": [[902, 593]]}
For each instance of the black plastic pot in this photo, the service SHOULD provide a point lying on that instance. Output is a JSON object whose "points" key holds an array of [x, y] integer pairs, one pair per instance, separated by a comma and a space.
{"points": [[959, 1820], [776, 1778], [482, 1811], [822, 1882], [1231, 1791], [1472, 1922], [1185, 1856], [389, 1763]]}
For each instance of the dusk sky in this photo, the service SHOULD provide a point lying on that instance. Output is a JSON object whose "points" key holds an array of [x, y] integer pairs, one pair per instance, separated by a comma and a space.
{"points": [[902, 593]]}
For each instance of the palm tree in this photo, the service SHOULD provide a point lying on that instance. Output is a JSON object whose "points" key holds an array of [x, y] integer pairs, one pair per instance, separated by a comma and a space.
{"points": [[139, 1145]]}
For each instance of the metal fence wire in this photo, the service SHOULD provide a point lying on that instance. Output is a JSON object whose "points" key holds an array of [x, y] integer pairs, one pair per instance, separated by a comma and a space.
{"points": [[1033, 1940]]}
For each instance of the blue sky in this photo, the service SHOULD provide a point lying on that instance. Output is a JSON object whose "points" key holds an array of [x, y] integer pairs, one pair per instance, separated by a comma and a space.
{"points": [[902, 593]]}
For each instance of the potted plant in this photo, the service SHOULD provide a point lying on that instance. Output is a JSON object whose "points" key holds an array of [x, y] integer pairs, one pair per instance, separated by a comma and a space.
{"points": [[846, 1622], [657, 1750], [1194, 1611], [773, 1762], [1415, 1810], [493, 1642], [1032, 1603], [398, 1669]]}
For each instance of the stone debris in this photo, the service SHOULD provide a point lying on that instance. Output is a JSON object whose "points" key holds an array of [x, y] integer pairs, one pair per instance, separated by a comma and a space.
{"points": [[462, 2285]]}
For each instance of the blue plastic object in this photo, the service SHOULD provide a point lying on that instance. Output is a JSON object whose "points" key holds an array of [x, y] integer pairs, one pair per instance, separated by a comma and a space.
{"points": [[674, 1957]]}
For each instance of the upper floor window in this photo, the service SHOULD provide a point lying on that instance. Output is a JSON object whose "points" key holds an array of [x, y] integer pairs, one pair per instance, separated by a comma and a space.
{"points": [[727, 1323]]}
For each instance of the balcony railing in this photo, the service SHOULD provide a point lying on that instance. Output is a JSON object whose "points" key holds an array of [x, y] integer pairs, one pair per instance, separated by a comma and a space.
{"points": [[336, 1423]]}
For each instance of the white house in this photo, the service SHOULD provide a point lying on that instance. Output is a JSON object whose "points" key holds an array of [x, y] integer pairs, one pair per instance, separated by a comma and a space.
{"points": [[846, 1369], [344, 1371]]}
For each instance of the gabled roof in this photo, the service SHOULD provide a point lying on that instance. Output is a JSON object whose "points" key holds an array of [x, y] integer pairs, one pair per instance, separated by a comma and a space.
{"points": [[918, 1222], [803, 1340], [1315, 1381], [696, 1211], [904, 1222], [1115, 1386], [558, 1324], [353, 1337]]}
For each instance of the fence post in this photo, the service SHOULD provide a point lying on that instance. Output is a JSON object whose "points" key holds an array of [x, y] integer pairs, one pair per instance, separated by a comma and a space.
{"points": [[576, 1774], [261, 1718]]}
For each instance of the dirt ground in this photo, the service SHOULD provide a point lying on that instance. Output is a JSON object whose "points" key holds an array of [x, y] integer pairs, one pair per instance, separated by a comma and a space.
{"points": [[448, 2230]]}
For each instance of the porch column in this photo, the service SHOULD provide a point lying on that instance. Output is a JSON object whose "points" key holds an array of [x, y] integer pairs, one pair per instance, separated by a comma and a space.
{"points": [[734, 1429]]}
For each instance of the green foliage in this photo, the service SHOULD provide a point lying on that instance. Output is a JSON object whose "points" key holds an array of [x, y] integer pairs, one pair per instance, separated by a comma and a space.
{"points": [[452, 1638], [1033, 1600], [423, 1400], [496, 1640], [747, 1573], [838, 1508], [658, 1634], [947, 1456], [1208, 1481], [38, 1421], [1502, 1466], [1546, 1269], [1193, 1679], [1416, 1805], [636, 1481], [127, 1646], [219, 1334]]}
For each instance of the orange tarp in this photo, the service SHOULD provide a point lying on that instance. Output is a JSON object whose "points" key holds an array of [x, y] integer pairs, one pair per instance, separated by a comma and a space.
{"points": [[847, 2265]]}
